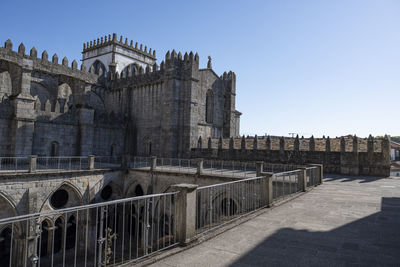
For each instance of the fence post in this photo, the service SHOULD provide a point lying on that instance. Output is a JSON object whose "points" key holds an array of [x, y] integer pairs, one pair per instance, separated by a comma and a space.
{"points": [[320, 172], [259, 168], [303, 179], [185, 204], [32, 163], [200, 163], [267, 196], [153, 164], [91, 162]]}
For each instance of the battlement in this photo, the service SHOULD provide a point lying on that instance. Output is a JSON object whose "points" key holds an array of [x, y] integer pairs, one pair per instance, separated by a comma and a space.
{"points": [[108, 40], [43, 63]]}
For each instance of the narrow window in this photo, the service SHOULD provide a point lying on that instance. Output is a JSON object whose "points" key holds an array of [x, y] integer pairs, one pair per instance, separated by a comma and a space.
{"points": [[209, 106]]}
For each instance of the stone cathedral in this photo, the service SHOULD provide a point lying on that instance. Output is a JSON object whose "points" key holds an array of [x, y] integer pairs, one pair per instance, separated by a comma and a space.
{"points": [[119, 102]]}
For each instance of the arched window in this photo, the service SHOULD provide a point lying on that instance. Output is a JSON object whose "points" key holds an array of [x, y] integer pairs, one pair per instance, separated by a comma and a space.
{"points": [[209, 106], [99, 68], [139, 191], [54, 149]]}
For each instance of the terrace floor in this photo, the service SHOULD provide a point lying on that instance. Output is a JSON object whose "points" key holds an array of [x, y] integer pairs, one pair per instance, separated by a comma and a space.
{"points": [[347, 221]]}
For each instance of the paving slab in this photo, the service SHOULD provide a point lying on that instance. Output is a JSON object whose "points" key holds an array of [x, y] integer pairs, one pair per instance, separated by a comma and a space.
{"points": [[347, 221]]}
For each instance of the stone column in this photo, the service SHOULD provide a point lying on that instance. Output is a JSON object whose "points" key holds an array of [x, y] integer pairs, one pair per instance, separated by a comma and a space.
{"points": [[32, 163], [267, 196], [153, 165], [86, 131], [259, 168], [200, 166], [185, 206], [91, 162], [302, 182], [320, 172]]}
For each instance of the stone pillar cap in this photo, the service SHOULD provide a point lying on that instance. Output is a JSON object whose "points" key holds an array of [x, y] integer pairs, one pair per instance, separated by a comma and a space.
{"points": [[187, 187]]}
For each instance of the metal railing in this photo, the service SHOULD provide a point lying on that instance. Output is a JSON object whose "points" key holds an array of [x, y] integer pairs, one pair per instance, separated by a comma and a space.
{"points": [[312, 176], [61, 163], [230, 168], [14, 164], [285, 184], [140, 162], [102, 162], [103, 234], [180, 165], [277, 167], [220, 203]]}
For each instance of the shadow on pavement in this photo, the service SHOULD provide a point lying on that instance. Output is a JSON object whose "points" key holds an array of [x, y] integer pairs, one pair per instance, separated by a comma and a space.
{"points": [[371, 241]]}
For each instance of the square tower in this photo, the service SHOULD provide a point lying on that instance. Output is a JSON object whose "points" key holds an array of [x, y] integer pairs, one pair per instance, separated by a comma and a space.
{"points": [[109, 54]]}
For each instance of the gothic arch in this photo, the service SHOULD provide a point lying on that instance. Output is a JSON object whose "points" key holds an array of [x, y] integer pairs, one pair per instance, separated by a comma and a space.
{"points": [[98, 68], [8, 207], [131, 191], [115, 193], [5, 84], [130, 70], [75, 197], [42, 93]]}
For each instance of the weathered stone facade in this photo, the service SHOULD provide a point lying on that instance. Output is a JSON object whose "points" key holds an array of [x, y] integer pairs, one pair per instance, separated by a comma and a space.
{"points": [[119, 102]]}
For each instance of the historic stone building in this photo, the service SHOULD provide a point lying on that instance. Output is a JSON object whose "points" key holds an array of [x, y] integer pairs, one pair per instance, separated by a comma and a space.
{"points": [[119, 102]]}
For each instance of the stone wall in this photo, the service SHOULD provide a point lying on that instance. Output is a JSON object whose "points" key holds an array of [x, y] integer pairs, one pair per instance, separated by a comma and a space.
{"points": [[375, 160]]}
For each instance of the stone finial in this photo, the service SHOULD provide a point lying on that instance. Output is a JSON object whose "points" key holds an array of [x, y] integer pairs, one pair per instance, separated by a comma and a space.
{"points": [[131, 43], [154, 53], [268, 143], [47, 106], [186, 56], [209, 65], [312, 143], [342, 144], [83, 67], [114, 37], [199, 143], [84, 46], [167, 56], [297, 143], [21, 49], [220, 143], [145, 49], [45, 56], [33, 52], [355, 144], [191, 56], [141, 47], [196, 57], [243, 143], [102, 40], [98, 41], [74, 65], [231, 143], [209, 143], [328, 145], [54, 59], [180, 56], [162, 65], [282, 144], [255, 142], [126, 41], [65, 61], [120, 39], [136, 45], [8, 45]]}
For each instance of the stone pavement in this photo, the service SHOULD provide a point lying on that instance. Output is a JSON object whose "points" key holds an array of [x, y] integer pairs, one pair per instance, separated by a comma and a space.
{"points": [[347, 221]]}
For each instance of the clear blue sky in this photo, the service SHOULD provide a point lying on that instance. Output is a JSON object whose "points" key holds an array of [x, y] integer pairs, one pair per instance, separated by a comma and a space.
{"points": [[308, 67]]}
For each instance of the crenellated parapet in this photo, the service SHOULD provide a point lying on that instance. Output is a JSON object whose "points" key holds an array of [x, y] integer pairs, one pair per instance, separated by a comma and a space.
{"points": [[128, 44], [345, 155], [33, 62]]}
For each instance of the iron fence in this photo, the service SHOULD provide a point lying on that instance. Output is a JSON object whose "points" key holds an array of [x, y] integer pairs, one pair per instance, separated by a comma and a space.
{"points": [[14, 164], [313, 177], [62, 163], [230, 168], [140, 162], [103, 162], [220, 203], [103, 234], [180, 165], [285, 184]]}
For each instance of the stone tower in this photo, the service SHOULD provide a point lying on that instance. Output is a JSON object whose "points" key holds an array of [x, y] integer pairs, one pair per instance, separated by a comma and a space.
{"points": [[109, 54]]}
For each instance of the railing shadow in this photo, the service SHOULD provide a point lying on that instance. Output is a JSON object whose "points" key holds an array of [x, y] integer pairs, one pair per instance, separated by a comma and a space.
{"points": [[371, 241]]}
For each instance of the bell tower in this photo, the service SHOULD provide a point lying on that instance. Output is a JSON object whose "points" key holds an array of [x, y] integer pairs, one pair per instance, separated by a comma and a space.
{"points": [[109, 54]]}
